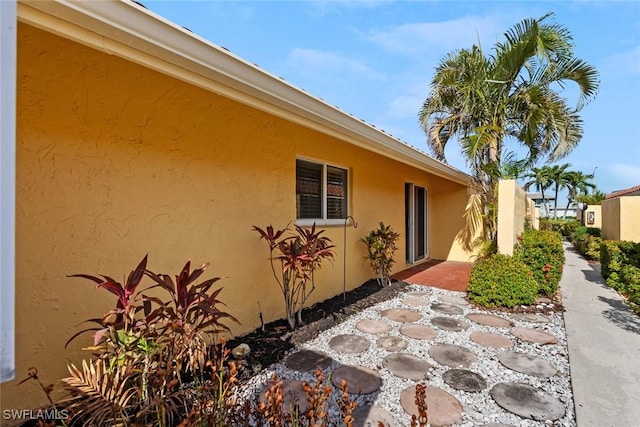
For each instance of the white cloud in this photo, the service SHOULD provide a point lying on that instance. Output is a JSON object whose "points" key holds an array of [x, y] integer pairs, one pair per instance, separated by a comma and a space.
{"points": [[316, 62], [414, 38]]}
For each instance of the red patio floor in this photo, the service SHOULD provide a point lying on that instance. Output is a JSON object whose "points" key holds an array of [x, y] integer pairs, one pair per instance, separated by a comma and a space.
{"points": [[451, 275]]}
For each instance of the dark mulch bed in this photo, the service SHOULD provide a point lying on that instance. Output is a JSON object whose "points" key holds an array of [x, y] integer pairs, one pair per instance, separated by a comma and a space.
{"points": [[270, 344]]}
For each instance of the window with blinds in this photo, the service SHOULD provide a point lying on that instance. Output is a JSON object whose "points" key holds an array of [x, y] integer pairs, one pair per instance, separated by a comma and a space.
{"points": [[321, 191]]}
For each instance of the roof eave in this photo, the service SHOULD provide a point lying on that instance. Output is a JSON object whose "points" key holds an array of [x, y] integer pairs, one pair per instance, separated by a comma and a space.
{"points": [[130, 31]]}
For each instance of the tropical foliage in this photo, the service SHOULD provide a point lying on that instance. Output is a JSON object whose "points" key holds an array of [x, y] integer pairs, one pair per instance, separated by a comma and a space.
{"points": [[294, 259], [486, 101], [542, 252], [381, 246]]}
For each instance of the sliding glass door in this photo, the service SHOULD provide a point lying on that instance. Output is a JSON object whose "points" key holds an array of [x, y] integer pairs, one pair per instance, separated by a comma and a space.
{"points": [[416, 230]]}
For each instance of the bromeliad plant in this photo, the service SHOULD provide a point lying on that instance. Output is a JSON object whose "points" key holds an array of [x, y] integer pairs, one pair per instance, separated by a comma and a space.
{"points": [[294, 258], [146, 350], [381, 246]]}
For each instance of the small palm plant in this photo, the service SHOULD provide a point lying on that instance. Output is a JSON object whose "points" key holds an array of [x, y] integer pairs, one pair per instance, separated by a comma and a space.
{"points": [[381, 246]]}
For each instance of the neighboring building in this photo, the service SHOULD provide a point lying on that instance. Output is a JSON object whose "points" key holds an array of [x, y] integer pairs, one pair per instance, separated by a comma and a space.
{"points": [[620, 213], [136, 136], [631, 191], [545, 204]]}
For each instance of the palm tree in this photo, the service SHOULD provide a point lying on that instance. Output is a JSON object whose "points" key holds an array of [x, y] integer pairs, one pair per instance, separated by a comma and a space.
{"points": [[485, 101], [558, 176], [541, 179], [577, 183]]}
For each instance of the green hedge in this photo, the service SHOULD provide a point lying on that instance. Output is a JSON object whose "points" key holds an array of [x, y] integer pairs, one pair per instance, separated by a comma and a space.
{"points": [[503, 281], [565, 227], [620, 262], [543, 253], [587, 241]]}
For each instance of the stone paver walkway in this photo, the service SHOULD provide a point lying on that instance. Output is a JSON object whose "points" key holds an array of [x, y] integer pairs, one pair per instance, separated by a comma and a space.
{"points": [[412, 343], [393, 349]]}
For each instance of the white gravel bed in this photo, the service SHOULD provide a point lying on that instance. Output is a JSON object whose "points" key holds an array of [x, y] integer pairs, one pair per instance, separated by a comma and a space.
{"points": [[478, 407]]}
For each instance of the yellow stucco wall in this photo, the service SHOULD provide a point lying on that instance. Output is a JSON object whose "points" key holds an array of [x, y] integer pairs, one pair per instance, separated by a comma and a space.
{"points": [[512, 210], [620, 218], [115, 161], [593, 212]]}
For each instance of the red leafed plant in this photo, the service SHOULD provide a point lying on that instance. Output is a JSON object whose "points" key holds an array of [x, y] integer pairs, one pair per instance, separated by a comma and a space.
{"points": [[294, 258], [147, 349]]}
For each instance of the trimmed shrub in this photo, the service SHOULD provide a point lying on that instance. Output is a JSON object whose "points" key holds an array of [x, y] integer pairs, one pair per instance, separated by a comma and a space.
{"points": [[543, 253], [502, 281], [587, 241], [630, 278], [565, 227], [614, 255]]}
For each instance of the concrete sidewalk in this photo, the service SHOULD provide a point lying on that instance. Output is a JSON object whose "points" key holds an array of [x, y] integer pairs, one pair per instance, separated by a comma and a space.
{"points": [[603, 336]]}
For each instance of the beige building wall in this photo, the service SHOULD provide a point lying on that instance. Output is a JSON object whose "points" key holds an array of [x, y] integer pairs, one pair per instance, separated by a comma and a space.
{"points": [[512, 210], [115, 161], [593, 216], [620, 218]]}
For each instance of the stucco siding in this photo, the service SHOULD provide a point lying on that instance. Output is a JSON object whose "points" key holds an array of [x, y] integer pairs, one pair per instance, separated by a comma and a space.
{"points": [[115, 161]]}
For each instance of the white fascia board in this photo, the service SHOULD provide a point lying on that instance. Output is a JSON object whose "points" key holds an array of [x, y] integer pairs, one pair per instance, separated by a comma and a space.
{"points": [[132, 32]]}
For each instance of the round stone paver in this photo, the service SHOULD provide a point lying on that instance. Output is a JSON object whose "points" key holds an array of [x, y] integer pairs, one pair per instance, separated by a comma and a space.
{"points": [[293, 394], [407, 366], [462, 379], [442, 408], [527, 364], [534, 335], [489, 320], [370, 416], [418, 294], [418, 332], [392, 343], [371, 326], [360, 379], [531, 317], [416, 302], [452, 299], [349, 344], [488, 339], [452, 355], [401, 315], [527, 401], [449, 309], [449, 324], [307, 360]]}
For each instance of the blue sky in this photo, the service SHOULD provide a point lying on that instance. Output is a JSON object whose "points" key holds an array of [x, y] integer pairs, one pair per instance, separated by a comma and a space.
{"points": [[375, 59]]}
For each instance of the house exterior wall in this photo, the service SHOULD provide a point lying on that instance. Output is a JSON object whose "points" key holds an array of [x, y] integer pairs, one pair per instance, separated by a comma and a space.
{"points": [[115, 161], [512, 210], [620, 218], [592, 216]]}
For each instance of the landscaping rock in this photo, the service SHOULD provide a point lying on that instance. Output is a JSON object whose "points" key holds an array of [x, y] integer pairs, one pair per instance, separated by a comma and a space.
{"points": [[488, 339], [372, 416], [490, 320]]}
